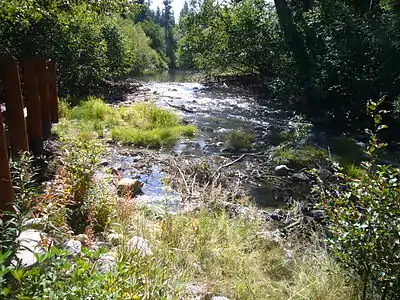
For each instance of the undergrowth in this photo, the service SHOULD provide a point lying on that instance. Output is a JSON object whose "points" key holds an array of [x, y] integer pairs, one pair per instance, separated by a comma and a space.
{"points": [[142, 124], [230, 256]]}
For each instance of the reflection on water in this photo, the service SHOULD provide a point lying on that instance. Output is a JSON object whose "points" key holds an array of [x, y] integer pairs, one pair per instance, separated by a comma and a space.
{"points": [[168, 76]]}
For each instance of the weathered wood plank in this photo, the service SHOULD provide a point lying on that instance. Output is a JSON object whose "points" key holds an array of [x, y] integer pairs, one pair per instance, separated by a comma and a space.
{"points": [[34, 118], [53, 93], [44, 96], [14, 105], [7, 194]]}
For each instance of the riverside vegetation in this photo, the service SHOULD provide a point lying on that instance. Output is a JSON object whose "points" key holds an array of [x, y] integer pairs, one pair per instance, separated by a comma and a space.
{"points": [[208, 251], [337, 236]]}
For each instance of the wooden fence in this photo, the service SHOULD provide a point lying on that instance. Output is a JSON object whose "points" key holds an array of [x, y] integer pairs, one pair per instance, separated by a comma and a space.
{"points": [[29, 104]]}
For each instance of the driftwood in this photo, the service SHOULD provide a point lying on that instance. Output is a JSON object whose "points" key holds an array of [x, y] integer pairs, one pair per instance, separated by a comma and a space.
{"points": [[180, 107]]}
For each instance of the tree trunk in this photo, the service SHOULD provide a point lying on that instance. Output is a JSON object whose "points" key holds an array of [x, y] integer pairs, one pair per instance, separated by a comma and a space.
{"points": [[296, 44]]}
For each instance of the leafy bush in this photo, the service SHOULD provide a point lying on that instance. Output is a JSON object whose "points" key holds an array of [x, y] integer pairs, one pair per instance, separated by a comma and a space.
{"points": [[364, 220]]}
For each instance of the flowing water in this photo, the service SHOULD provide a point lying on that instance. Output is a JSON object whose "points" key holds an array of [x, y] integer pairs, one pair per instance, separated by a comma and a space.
{"points": [[215, 111]]}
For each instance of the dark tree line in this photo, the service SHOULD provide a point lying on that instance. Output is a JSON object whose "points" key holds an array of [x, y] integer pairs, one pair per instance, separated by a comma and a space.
{"points": [[327, 58]]}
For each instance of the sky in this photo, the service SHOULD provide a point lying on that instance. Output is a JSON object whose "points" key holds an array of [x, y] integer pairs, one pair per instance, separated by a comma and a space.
{"points": [[176, 6]]}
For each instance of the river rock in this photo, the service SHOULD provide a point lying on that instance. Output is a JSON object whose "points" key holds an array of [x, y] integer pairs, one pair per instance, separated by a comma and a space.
{"points": [[282, 170], [30, 242], [317, 214], [140, 245], [129, 187], [207, 129], [300, 177], [73, 247], [106, 263], [219, 298]]}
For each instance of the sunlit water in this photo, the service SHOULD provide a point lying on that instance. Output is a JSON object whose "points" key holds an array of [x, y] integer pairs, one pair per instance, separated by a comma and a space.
{"points": [[215, 111]]}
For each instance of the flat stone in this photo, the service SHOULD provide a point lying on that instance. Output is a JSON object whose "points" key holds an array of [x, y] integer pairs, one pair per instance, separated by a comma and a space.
{"points": [[282, 170], [129, 187], [140, 245]]}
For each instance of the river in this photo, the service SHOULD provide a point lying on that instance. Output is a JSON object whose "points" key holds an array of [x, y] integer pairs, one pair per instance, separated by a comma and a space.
{"points": [[216, 111]]}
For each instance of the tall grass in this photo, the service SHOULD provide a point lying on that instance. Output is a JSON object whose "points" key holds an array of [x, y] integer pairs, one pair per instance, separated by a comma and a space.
{"points": [[228, 256], [142, 124]]}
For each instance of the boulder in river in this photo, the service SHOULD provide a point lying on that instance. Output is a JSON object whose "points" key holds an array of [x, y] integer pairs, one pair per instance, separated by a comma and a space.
{"points": [[207, 129], [282, 170], [129, 187]]}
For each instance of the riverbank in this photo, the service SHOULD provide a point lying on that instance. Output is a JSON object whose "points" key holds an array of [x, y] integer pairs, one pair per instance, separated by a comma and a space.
{"points": [[230, 212]]}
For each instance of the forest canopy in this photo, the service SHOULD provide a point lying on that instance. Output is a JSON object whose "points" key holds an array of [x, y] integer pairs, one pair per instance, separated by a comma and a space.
{"points": [[89, 40], [326, 57]]}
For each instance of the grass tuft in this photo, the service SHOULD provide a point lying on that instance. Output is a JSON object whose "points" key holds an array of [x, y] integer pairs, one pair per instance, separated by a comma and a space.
{"points": [[142, 124], [300, 158]]}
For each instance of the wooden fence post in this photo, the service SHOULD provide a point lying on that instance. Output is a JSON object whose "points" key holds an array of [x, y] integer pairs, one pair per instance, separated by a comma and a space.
{"points": [[14, 105], [44, 96], [53, 98], [7, 194], [34, 118]]}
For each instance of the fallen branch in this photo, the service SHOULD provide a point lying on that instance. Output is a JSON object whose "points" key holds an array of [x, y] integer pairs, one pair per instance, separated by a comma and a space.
{"points": [[229, 164], [180, 107]]}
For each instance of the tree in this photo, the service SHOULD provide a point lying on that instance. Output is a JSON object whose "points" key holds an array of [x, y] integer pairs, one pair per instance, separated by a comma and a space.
{"points": [[169, 22], [158, 16]]}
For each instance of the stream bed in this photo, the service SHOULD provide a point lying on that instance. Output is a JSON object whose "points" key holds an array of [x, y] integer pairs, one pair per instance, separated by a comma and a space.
{"points": [[215, 111]]}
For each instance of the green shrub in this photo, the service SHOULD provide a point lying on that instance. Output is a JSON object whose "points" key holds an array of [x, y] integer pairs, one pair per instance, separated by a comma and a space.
{"points": [[364, 220]]}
